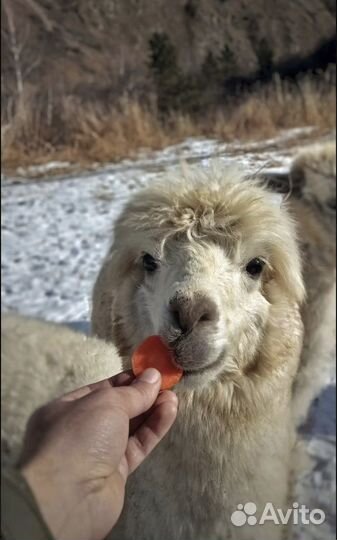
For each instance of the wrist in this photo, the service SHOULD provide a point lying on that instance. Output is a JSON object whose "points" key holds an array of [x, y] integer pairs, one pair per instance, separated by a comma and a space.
{"points": [[20, 513], [57, 500]]}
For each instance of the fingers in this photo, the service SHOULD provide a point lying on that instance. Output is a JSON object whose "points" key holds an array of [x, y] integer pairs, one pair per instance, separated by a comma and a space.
{"points": [[140, 395], [136, 422], [135, 395], [77, 394], [153, 429], [101, 385], [122, 379]]}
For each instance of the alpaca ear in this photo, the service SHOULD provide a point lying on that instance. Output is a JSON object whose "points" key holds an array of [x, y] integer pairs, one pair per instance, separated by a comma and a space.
{"points": [[276, 181], [288, 262], [286, 182], [290, 273], [102, 301], [297, 179]]}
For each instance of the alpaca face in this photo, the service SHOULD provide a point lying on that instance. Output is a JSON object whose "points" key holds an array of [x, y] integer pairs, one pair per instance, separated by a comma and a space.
{"points": [[203, 263], [206, 303], [312, 180], [313, 177]]}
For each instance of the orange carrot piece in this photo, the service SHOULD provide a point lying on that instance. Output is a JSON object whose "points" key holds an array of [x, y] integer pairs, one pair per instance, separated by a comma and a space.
{"points": [[152, 352]]}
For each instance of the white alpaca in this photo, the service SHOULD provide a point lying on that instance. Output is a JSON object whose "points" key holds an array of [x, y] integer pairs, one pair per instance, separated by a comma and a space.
{"points": [[212, 265], [313, 204], [41, 361]]}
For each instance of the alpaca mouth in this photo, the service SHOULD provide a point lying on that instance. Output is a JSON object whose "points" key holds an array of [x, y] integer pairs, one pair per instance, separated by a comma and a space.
{"points": [[199, 371], [179, 358]]}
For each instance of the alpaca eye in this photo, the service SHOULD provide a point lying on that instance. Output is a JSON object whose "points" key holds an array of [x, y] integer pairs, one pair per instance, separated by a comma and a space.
{"points": [[149, 263], [254, 267]]}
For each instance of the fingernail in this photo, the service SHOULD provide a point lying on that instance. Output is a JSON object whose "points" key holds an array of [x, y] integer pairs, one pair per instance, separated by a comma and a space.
{"points": [[150, 375]]}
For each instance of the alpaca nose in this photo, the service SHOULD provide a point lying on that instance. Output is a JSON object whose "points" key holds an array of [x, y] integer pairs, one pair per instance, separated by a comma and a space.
{"points": [[187, 313]]}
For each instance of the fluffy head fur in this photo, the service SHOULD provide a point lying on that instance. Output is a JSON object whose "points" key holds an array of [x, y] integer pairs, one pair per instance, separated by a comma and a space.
{"points": [[202, 229]]}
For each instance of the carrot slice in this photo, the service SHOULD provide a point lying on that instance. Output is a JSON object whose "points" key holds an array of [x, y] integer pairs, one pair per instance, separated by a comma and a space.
{"points": [[152, 352]]}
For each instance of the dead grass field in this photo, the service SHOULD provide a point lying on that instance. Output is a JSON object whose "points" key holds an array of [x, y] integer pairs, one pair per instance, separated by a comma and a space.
{"points": [[85, 133]]}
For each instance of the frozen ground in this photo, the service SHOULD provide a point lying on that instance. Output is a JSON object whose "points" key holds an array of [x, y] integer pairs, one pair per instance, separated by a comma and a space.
{"points": [[55, 233]]}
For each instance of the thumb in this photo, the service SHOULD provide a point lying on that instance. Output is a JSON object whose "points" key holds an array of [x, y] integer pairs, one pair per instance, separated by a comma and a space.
{"points": [[140, 395]]}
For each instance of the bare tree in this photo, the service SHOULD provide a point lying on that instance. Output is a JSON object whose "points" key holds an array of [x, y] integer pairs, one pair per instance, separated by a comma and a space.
{"points": [[14, 46], [17, 38]]}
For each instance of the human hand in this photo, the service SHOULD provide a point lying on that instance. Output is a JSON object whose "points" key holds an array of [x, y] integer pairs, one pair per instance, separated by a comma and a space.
{"points": [[79, 450]]}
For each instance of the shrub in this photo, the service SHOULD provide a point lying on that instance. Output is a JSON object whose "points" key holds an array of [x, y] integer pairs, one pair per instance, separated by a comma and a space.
{"points": [[167, 76]]}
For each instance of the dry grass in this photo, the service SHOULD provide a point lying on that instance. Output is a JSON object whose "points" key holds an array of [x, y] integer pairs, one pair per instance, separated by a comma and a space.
{"points": [[85, 133]]}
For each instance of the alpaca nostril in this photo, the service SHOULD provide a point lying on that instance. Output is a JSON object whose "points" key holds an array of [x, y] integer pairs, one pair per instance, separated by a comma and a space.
{"points": [[177, 320], [178, 308], [187, 314], [205, 311], [175, 317]]}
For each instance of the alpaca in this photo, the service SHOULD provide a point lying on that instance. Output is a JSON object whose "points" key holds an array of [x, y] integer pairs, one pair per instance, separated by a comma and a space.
{"points": [[211, 264], [41, 361], [312, 181]]}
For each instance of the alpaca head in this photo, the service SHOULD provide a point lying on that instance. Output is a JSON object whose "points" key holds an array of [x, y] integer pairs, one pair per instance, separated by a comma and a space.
{"points": [[199, 261], [312, 181], [313, 175]]}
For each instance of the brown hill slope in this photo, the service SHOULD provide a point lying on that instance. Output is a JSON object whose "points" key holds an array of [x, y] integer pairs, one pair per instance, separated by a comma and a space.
{"points": [[86, 80], [95, 48]]}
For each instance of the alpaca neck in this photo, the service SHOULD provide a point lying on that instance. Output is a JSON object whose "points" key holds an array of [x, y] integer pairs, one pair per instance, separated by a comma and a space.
{"points": [[319, 262]]}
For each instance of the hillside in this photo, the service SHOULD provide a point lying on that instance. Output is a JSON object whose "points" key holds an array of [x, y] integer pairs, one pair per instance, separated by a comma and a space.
{"points": [[101, 49], [86, 81]]}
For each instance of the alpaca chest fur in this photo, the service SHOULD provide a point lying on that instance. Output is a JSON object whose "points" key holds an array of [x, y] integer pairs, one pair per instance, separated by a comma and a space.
{"points": [[207, 465]]}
